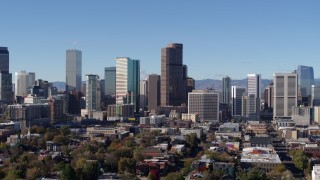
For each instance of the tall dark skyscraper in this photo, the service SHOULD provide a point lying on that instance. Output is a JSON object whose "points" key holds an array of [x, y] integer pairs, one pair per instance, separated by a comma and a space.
{"points": [[110, 81], [4, 60], [6, 94], [226, 90], [173, 76], [74, 79], [305, 81], [73, 70], [154, 92]]}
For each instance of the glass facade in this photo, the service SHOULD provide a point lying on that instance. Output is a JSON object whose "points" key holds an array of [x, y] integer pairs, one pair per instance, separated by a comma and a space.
{"points": [[110, 80], [73, 70]]}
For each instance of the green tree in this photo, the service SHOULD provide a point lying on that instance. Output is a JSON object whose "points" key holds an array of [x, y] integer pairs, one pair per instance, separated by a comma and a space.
{"points": [[252, 174], [68, 173], [174, 176], [300, 159], [126, 165], [33, 173], [192, 140], [60, 139], [90, 170], [65, 130]]}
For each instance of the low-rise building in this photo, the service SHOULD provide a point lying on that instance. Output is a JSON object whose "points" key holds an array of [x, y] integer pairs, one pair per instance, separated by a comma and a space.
{"points": [[261, 157], [315, 174], [198, 131], [301, 115]]}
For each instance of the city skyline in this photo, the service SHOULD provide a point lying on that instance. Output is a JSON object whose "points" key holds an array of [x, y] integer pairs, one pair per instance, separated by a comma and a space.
{"points": [[215, 34]]}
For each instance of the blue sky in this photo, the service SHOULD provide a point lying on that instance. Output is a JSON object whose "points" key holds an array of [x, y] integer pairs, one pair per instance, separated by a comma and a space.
{"points": [[220, 37]]}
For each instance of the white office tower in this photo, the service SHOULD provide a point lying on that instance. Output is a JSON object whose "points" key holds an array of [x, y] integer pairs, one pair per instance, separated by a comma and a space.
{"points": [[254, 88], [93, 93], [236, 96], [21, 83], [205, 103], [285, 94], [128, 82]]}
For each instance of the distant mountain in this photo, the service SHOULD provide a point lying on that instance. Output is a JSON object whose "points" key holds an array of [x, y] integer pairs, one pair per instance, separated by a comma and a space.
{"points": [[61, 86], [217, 84], [203, 84]]}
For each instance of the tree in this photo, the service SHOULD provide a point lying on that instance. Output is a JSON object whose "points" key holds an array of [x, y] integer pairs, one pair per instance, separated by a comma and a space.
{"points": [[68, 173], [174, 176], [192, 140], [127, 165], [60, 139], [252, 174], [124, 152], [300, 159], [65, 130], [33, 173], [90, 170]]}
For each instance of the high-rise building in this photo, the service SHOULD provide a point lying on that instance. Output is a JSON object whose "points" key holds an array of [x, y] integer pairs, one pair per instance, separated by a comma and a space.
{"points": [[249, 107], [4, 60], [285, 94], [73, 70], [21, 83], [110, 81], [205, 103], [226, 90], [153, 92], [93, 93], [236, 95], [173, 76], [254, 84], [268, 96], [315, 95], [6, 94], [143, 94], [128, 82], [31, 79], [254, 88], [305, 81], [191, 84]]}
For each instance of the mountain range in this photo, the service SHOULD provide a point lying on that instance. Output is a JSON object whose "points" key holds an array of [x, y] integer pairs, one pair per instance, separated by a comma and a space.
{"points": [[203, 84]]}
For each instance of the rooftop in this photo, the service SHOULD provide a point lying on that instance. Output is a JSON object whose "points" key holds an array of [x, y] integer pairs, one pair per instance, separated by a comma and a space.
{"points": [[259, 154]]}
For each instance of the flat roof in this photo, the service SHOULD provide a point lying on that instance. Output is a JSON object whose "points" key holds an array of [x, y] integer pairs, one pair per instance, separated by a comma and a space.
{"points": [[259, 155]]}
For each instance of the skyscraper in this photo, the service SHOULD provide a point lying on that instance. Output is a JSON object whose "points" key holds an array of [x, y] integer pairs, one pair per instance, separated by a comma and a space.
{"points": [[285, 94], [254, 85], [110, 81], [4, 60], [254, 88], [154, 92], [226, 90], [205, 103], [73, 70], [173, 76], [6, 94], [128, 82], [315, 95], [143, 94], [236, 95], [93, 93], [21, 83], [249, 107], [305, 81], [31, 79]]}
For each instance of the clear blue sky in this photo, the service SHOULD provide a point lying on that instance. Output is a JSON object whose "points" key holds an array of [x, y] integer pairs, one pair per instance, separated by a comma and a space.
{"points": [[220, 37]]}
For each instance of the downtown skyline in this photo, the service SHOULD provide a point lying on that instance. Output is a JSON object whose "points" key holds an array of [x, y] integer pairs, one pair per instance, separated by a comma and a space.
{"points": [[260, 37]]}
